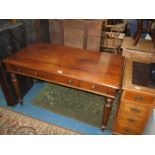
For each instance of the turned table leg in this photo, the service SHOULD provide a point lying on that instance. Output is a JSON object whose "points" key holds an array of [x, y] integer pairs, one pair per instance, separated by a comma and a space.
{"points": [[17, 88], [106, 112]]}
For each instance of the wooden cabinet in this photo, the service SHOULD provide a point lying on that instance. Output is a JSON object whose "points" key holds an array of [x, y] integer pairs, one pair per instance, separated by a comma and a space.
{"points": [[132, 116], [137, 103]]}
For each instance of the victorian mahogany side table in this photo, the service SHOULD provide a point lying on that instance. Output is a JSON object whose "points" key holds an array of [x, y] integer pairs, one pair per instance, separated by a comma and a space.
{"points": [[99, 73]]}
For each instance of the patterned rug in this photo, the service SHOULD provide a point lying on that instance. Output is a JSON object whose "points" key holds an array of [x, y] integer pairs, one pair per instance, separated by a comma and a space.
{"points": [[13, 123], [82, 106]]}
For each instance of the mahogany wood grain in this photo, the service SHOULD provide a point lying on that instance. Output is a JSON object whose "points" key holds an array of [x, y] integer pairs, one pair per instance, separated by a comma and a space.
{"points": [[128, 130], [140, 98], [106, 112], [134, 109], [16, 86], [95, 72], [131, 120], [102, 68]]}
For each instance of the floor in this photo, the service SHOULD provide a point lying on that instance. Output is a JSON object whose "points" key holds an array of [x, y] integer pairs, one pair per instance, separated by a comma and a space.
{"points": [[50, 117]]}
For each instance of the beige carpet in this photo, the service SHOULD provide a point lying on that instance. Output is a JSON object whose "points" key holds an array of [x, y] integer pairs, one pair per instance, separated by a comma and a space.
{"points": [[13, 123]]}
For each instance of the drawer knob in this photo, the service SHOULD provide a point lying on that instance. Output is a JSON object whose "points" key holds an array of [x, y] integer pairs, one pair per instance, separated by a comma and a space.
{"points": [[138, 98], [127, 130], [69, 82], [35, 73], [135, 110], [130, 120], [93, 86]]}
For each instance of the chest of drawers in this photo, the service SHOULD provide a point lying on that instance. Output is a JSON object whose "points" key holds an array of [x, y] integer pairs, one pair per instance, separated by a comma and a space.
{"points": [[136, 105]]}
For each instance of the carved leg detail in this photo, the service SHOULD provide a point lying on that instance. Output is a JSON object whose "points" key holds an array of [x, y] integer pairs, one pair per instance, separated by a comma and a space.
{"points": [[16, 86], [106, 112]]}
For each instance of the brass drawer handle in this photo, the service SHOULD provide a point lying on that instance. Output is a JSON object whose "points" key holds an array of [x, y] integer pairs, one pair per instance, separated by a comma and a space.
{"points": [[138, 98], [35, 73], [93, 86], [130, 120], [69, 82], [135, 110], [127, 130]]}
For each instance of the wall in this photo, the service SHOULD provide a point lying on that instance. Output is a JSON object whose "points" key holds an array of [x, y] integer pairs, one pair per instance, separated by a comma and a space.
{"points": [[150, 128]]}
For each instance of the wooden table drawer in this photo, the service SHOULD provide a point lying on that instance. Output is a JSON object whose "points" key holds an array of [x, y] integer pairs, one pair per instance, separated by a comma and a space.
{"points": [[131, 120], [97, 88], [135, 109], [138, 97], [128, 130], [70, 81], [35, 74]]}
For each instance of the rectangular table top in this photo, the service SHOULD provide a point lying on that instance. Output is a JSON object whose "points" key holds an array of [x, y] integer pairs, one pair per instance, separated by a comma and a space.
{"points": [[101, 68]]}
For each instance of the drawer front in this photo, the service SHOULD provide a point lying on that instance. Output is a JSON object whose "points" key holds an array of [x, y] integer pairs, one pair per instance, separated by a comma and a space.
{"points": [[131, 120], [64, 80], [70, 81], [128, 130], [135, 109], [138, 98], [96, 88], [35, 74]]}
